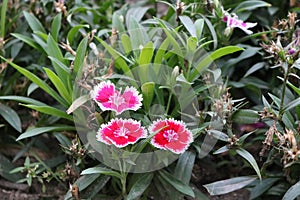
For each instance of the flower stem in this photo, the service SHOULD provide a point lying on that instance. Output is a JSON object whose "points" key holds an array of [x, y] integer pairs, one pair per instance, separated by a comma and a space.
{"points": [[283, 93]]}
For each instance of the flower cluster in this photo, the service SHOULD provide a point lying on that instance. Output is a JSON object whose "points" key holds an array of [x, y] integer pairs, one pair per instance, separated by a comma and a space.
{"points": [[234, 22], [167, 134]]}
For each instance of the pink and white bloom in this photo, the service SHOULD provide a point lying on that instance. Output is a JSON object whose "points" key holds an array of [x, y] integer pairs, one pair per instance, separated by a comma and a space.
{"points": [[121, 132], [109, 98], [171, 135], [234, 22]]}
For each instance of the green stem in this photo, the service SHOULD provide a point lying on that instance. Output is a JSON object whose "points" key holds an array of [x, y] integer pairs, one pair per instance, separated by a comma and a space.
{"points": [[283, 93], [169, 103], [3, 16]]}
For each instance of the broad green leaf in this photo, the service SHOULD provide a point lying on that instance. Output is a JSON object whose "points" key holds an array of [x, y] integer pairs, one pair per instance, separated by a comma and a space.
{"points": [[77, 103], [250, 159], [27, 40], [229, 185], [146, 54], [59, 85], [199, 24], [261, 187], [126, 43], [33, 22], [250, 5], [184, 166], [22, 100], [55, 27], [177, 184], [50, 111], [293, 192], [80, 55], [212, 57], [137, 13], [138, 34], [141, 184], [37, 131], [118, 22], [189, 25], [148, 93], [11, 117], [37, 81], [73, 31], [101, 170], [245, 116]]}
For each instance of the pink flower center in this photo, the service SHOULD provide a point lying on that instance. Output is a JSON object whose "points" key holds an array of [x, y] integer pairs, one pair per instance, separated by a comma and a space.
{"points": [[121, 132], [116, 99], [170, 135]]}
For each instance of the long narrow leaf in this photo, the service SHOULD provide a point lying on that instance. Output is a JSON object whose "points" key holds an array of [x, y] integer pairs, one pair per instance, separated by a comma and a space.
{"points": [[37, 81], [101, 170], [22, 100], [59, 85], [37, 131], [140, 186], [247, 156], [80, 54], [293, 192], [3, 18], [33, 22], [50, 111]]}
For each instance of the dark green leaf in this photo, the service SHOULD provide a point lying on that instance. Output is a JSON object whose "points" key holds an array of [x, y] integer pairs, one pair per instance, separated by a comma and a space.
{"points": [[293, 192], [229, 185], [56, 25], [37, 131], [33, 22], [80, 55], [11, 117], [141, 184], [101, 170], [177, 184], [247, 156]]}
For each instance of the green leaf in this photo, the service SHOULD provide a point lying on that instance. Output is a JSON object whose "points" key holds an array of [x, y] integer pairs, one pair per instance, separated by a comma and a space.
{"points": [[11, 117], [27, 40], [250, 5], [33, 22], [37, 81], [228, 185], [60, 64], [141, 184], [80, 55], [199, 24], [54, 51], [6, 167], [3, 18], [254, 68], [212, 57], [218, 135], [101, 170], [189, 25], [37, 131], [59, 85], [77, 103], [247, 156], [245, 116], [292, 104], [146, 54], [293, 192], [55, 27], [73, 31], [119, 60], [261, 187], [148, 94], [126, 43], [184, 167], [23, 100], [117, 21], [50, 111], [177, 184], [138, 34]]}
